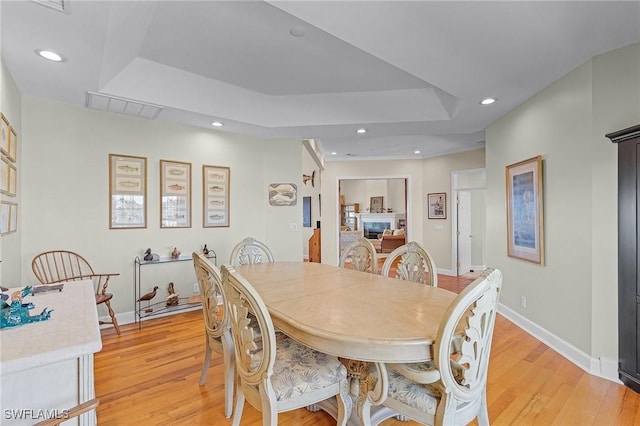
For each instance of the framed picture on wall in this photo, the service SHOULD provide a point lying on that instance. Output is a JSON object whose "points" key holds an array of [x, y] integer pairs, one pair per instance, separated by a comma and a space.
{"points": [[5, 212], [13, 144], [306, 212], [524, 210], [4, 134], [12, 179], [175, 194], [437, 205], [127, 192], [215, 196], [4, 175], [13, 217]]}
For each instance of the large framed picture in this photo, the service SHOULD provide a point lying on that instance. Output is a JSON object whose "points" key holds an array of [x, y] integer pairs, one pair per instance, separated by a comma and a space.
{"points": [[437, 204], [175, 194], [127, 192], [215, 196], [524, 210]]}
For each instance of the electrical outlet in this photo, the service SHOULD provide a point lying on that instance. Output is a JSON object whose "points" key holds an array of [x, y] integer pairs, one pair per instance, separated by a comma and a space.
{"points": [[195, 288], [523, 301]]}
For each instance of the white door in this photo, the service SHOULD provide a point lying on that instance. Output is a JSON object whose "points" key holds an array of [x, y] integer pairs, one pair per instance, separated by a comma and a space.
{"points": [[464, 232]]}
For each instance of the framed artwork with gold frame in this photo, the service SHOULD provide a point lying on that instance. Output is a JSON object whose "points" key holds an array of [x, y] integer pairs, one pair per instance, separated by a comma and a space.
{"points": [[12, 180], [215, 196], [4, 134], [525, 236], [175, 194], [127, 191]]}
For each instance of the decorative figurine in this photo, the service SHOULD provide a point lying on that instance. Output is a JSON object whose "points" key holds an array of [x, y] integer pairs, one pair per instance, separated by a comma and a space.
{"points": [[148, 297], [205, 250], [148, 256], [175, 254], [173, 299], [17, 313]]}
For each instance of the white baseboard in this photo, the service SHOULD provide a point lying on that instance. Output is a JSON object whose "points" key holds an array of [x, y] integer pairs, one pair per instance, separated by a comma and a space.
{"points": [[601, 367], [447, 272], [129, 317]]}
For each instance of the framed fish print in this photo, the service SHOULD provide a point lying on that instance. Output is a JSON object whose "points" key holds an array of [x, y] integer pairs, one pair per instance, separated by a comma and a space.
{"points": [[5, 213], [12, 179], [4, 134], [127, 192], [215, 196], [175, 194], [13, 144], [524, 210], [4, 175]]}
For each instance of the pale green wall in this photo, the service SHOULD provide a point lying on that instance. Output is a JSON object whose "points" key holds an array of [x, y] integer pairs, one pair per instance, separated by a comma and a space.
{"points": [[437, 178], [10, 244], [574, 295], [65, 190]]}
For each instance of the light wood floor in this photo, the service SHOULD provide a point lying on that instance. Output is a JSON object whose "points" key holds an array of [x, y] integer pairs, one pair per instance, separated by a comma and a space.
{"points": [[150, 377]]}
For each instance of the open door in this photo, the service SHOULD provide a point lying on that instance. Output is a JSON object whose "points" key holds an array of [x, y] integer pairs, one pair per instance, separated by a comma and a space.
{"points": [[464, 232]]}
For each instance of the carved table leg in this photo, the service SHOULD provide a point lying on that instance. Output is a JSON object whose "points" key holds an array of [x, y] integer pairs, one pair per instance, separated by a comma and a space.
{"points": [[355, 370]]}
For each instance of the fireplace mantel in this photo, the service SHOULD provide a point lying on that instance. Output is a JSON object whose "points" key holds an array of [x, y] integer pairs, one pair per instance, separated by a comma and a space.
{"points": [[390, 218]]}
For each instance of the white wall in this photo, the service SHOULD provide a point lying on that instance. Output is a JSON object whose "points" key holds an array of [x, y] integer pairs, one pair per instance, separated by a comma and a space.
{"points": [[10, 244], [65, 190], [361, 190], [574, 296], [308, 167]]}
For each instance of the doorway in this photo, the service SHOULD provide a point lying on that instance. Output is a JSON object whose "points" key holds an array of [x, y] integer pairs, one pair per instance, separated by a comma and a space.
{"points": [[468, 221], [378, 203]]}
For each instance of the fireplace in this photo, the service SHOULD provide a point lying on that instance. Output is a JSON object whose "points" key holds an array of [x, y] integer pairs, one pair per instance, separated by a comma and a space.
{"points": [[375, 223], [373, 229]]}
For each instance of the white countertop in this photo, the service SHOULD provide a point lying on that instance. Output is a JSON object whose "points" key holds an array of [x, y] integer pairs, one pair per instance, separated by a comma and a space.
{"points": [[72, 330]]}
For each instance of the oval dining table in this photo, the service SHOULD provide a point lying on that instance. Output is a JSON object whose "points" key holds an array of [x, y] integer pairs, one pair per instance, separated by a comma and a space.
{"points": [[359, 317]]}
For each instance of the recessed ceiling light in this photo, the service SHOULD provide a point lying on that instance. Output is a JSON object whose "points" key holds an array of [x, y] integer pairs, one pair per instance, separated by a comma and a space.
{"points": [[298, 31], [217, 124], [334, 153], [417, 151], [488, 101], [50, 55], [361, 131]]}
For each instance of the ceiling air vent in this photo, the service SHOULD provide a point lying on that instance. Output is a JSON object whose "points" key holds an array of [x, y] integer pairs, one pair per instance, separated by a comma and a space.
{"points": [[53, 4], [104, 102]]}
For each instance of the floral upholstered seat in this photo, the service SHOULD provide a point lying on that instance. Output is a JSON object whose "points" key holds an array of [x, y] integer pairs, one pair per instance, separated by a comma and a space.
{"points": [[276, 374], [451, 388]]}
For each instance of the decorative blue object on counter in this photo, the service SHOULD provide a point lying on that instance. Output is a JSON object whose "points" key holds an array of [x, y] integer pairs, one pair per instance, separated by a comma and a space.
{"points": [[17, 313]]}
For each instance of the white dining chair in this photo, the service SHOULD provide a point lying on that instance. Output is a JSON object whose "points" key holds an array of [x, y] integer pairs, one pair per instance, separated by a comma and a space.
{"points": [[360, 255], [277, 375], [452, 388], [250, 250], [216, 325], [411, 262]]}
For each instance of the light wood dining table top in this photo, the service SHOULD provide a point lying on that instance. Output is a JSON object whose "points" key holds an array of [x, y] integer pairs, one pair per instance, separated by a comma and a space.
{"points": [[351, 314]]}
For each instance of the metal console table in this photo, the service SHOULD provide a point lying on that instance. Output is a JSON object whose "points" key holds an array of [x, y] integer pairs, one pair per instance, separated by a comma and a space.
{"points": [[159, 308]]}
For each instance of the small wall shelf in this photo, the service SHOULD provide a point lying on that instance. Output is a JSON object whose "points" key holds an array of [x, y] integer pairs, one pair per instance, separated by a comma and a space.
{"points": [[142, 310]]}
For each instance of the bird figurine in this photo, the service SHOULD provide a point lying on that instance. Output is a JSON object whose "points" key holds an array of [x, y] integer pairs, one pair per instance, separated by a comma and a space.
{"points": [[205, 250], [148, 256], [173, 299], [149, 295], [175, 254]]}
